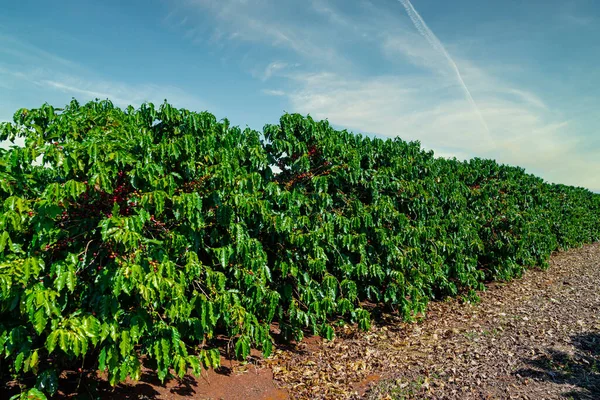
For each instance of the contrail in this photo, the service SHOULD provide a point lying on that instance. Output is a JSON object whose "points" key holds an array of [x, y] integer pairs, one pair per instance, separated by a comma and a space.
{"points": [[437, 45]]}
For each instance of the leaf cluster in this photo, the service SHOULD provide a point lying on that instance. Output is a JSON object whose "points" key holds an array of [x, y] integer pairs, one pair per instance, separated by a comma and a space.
{"points": [[147, 233]]}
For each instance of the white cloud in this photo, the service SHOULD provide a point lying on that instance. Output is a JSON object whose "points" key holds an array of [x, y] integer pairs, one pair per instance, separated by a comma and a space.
{"points": [[436, 44], [332, 15], [267, 22], [272, 68], [273, 92], [90, 94], [528, 97], [123, 94], [411, 47], [53, 74], [24, 52], [579, 20]]}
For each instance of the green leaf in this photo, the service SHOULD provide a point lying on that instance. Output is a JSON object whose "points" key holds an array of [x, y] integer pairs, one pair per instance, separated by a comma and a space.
{"points": [[19, 362], [242, 347], [52, 340], [33, 360], [4, 240], [102, 359], [40, 320], [124, 344]]}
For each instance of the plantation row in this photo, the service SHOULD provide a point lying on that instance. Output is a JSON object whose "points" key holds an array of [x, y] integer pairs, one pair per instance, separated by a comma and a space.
{"points": [[148, 232]]}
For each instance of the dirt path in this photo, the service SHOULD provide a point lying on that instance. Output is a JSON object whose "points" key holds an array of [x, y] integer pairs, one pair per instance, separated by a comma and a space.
{"points": [[534, 338]]}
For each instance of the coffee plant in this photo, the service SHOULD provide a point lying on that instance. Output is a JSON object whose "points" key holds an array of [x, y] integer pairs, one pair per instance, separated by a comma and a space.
{"points": [[147, 234]]}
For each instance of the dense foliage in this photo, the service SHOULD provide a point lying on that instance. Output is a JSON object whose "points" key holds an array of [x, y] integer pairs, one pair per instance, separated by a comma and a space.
{"points": [[148, 232]]}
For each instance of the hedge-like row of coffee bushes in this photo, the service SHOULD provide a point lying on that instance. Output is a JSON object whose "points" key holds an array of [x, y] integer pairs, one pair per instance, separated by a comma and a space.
{"points": [[150, 231]]}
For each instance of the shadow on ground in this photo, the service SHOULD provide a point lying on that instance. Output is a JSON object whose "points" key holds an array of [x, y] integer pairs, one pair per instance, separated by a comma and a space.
{"points": [[92, 387], [225, 382], [581, 368]]}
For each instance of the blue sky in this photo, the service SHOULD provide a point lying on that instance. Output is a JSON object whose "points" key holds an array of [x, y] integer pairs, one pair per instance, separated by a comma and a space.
{"points": [[517, 81]]}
